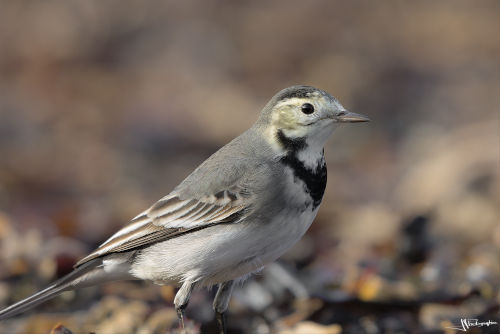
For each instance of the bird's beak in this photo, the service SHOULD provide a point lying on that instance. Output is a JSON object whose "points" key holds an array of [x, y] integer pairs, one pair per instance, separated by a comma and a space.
{"points": [[350, 117]]}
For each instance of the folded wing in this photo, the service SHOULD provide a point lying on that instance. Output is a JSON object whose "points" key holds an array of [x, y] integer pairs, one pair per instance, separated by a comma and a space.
{"points": [[169, 218]]}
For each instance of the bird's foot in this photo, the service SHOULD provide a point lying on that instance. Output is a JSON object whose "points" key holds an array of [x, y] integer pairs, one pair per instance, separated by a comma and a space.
{"points": [[221, 322], [180, 315]]}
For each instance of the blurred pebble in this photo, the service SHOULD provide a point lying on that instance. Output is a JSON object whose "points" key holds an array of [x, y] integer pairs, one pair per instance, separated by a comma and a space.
{"points": [[159, 322], [45, 323], [47, 268], [414, 241], [404, 290], [476, 273], [103, 308], [18, 266], [370, 287], [369, 325], [303, 309], [60, 329], [311, 328], [430, 272], [262, 328], [254, 296], [124, 319]]}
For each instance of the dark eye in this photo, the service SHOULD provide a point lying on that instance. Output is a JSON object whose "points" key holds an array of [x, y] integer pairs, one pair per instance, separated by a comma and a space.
{"points": [[307, 108]]}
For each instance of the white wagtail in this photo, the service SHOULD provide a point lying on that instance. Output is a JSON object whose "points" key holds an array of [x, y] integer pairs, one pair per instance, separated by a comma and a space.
{"points": [[239, 210]]}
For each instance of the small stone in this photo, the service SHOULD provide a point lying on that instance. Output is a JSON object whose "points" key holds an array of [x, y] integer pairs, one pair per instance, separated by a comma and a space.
{"points": [[312, 328], [60, 329]]}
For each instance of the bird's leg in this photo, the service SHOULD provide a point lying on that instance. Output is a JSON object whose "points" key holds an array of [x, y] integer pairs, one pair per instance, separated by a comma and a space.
{"points": [[221, 322], [181, 300], [221, 302]]}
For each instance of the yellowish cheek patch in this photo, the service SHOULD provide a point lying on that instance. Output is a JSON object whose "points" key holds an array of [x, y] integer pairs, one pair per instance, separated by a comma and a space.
{"points": [[286, 120]]}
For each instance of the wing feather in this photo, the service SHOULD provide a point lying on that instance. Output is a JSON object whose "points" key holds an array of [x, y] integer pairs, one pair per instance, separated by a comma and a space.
{"points": [[168, 218]]}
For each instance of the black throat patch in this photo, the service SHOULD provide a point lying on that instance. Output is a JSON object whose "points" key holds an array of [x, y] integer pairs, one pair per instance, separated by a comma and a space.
{"points": [[314, 179]]}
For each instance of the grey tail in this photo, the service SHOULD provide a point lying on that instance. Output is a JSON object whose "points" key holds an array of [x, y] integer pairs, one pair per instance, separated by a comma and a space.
{"points": [[68, 282]]}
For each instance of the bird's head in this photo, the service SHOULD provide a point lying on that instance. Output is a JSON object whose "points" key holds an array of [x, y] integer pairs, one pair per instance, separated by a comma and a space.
{"points": [[304, 115]]}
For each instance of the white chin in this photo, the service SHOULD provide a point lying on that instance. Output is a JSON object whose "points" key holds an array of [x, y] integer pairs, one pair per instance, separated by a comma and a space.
{"points": [[320, 134]]}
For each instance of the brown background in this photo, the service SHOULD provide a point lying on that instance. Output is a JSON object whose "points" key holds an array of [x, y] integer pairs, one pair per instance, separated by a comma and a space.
{"points": [[106, 106]]}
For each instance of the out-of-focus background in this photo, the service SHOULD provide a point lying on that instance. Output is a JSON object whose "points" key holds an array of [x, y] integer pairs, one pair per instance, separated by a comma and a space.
{"points": [[106, 106]]}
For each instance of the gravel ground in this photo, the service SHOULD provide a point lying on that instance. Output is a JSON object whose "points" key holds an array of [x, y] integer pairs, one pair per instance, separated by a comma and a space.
{"points": [[106, 106]]}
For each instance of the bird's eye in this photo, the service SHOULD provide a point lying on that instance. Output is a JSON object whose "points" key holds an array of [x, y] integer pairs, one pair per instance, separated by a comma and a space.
{"points": [[307, 108]]}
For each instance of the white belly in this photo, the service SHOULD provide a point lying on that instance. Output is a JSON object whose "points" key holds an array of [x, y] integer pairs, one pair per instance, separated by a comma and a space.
{"points": [[226, 252]]}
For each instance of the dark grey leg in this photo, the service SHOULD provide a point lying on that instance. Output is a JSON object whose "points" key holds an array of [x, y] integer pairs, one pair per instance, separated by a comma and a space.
{"points": [[221, 302], [221, 322], [181, 300]]}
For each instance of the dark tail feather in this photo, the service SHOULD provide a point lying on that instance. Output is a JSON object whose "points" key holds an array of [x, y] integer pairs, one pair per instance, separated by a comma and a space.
{"points": [[67, 282]]}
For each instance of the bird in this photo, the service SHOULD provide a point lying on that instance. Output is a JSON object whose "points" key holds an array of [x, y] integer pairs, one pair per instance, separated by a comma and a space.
{"points": [[241, 209]]}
